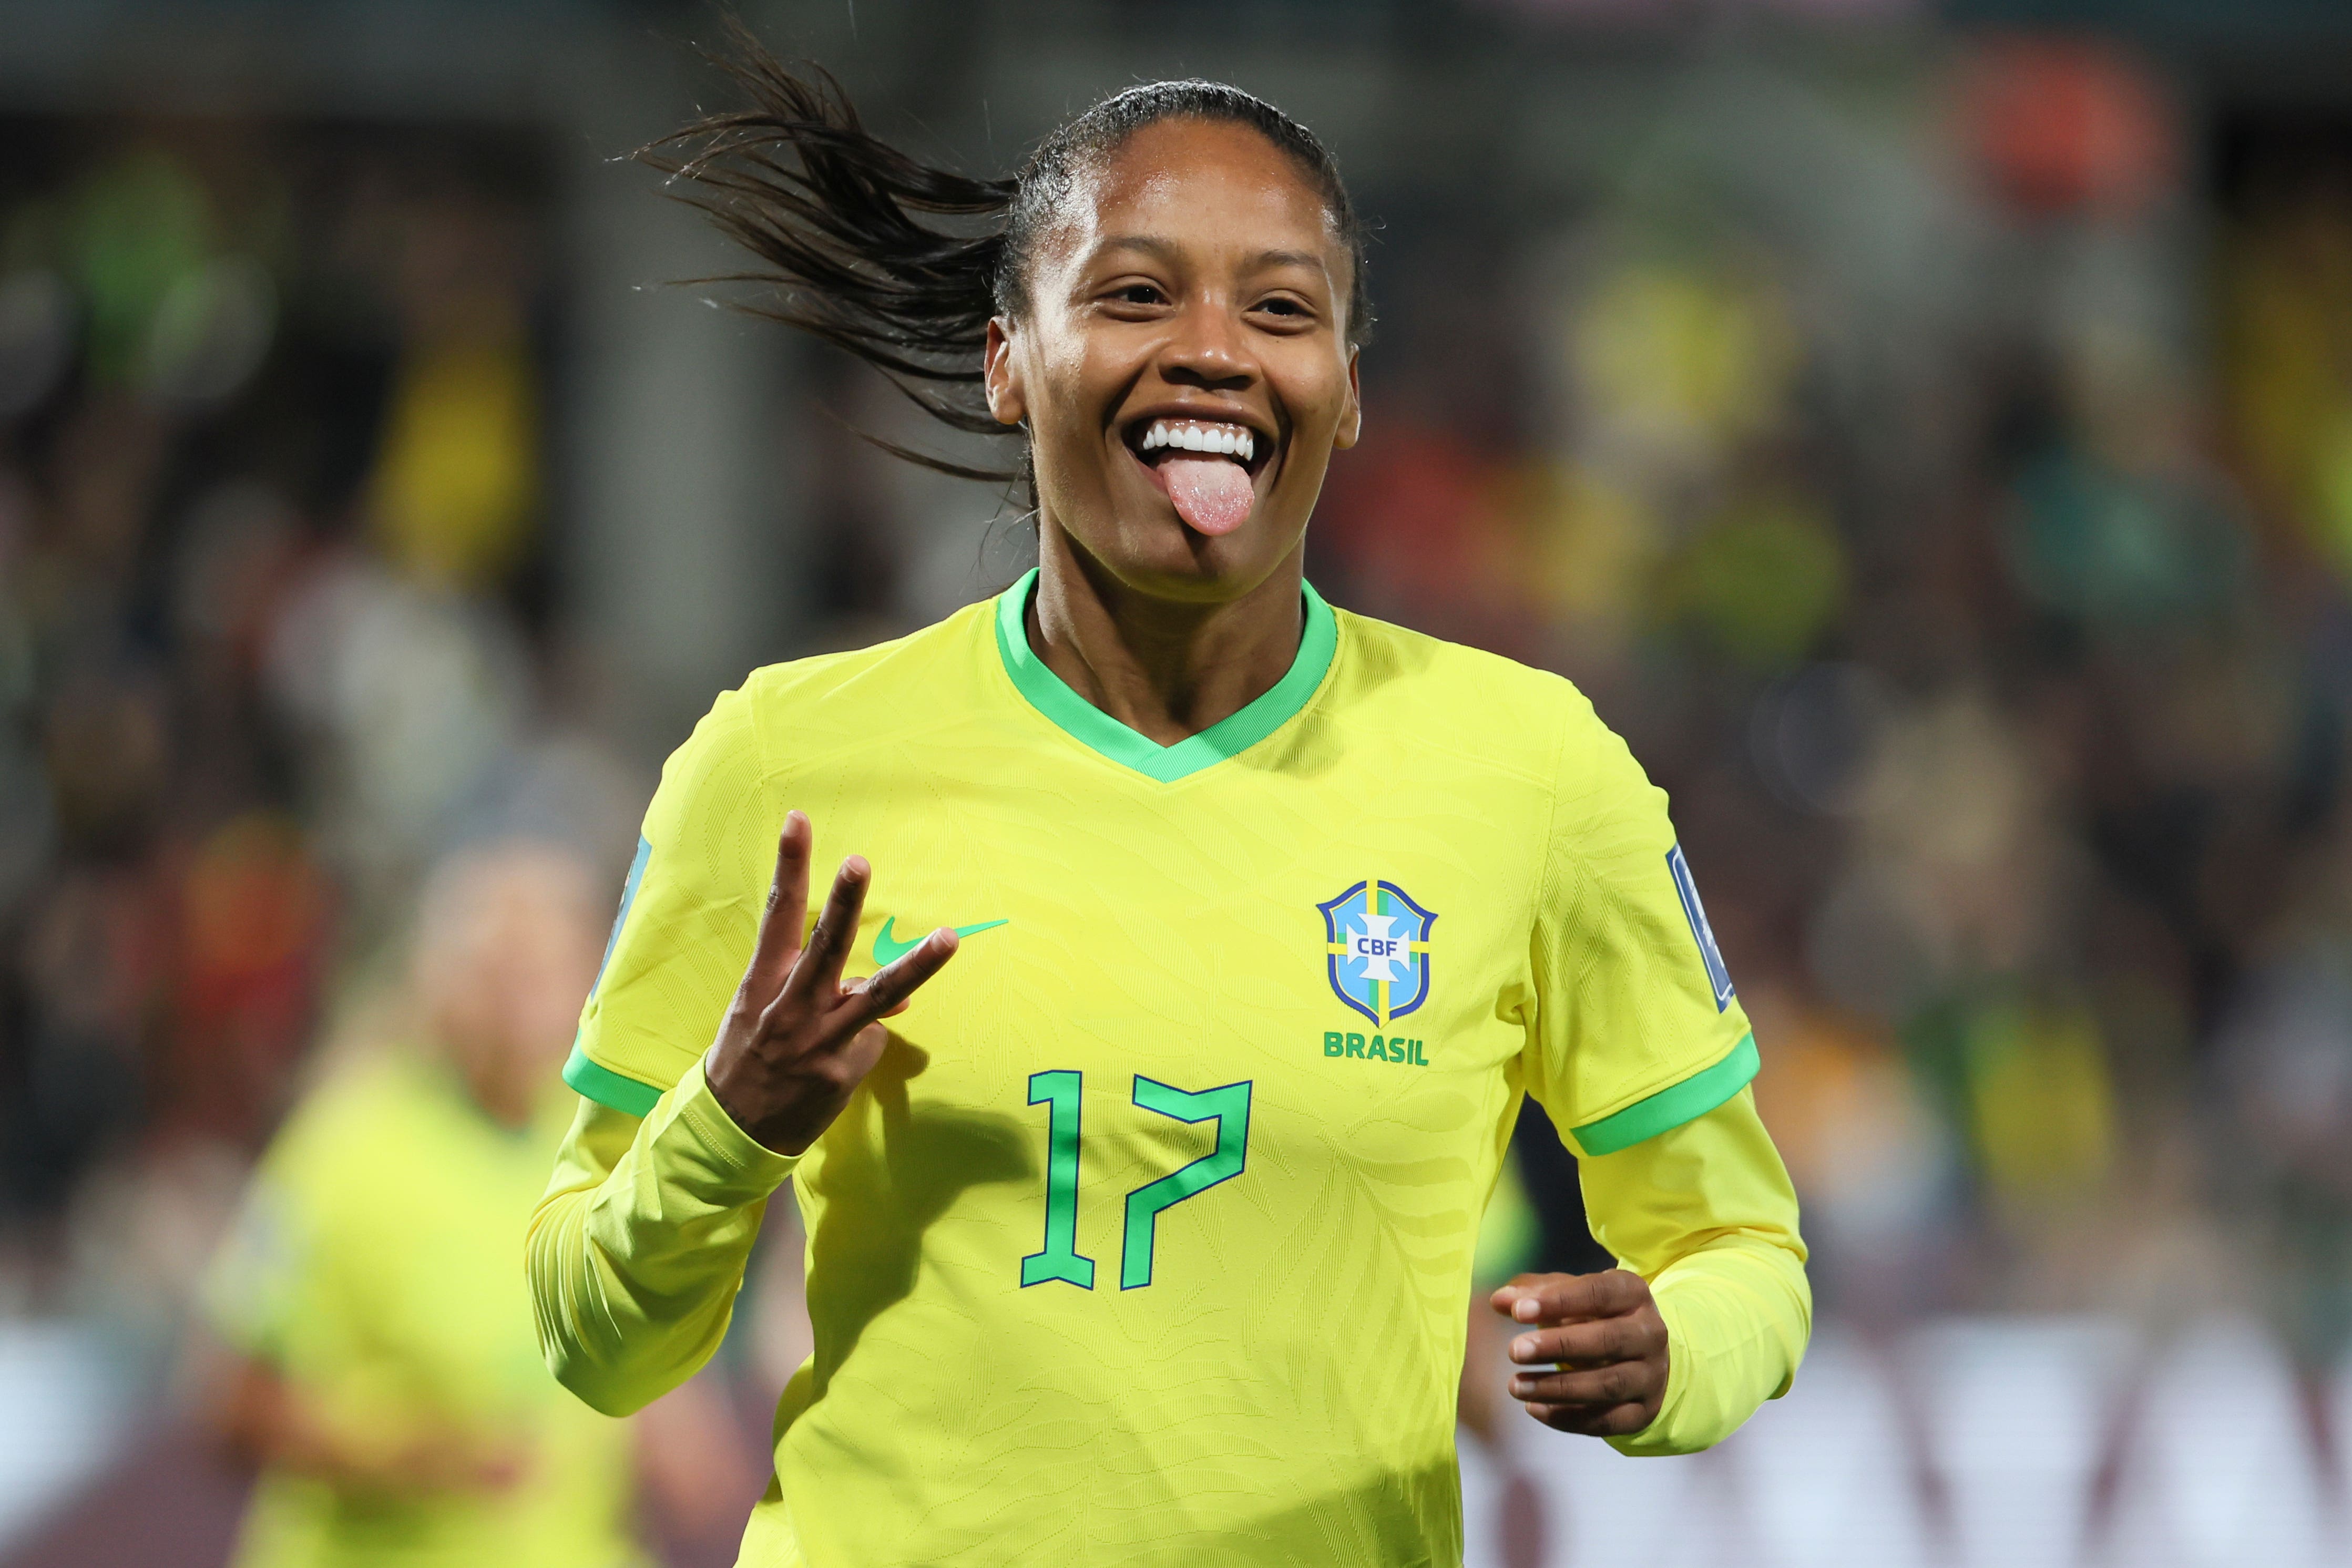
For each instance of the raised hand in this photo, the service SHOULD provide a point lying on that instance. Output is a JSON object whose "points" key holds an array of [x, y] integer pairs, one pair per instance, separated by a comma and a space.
{"points": [[1596, 1362], [797, 1040]]}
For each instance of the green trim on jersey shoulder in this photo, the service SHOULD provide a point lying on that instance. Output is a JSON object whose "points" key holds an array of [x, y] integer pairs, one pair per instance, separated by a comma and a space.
{"points": [[1099, 732], [607, 1087], [1672, 1107]]}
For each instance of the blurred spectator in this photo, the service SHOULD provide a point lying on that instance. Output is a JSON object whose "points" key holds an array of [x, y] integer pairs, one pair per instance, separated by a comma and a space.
{"points": [[381, 1368]]}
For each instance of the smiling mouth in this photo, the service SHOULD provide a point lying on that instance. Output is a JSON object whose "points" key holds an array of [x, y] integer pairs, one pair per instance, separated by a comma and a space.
{"points": [[1204, 465], [1157, 439]]}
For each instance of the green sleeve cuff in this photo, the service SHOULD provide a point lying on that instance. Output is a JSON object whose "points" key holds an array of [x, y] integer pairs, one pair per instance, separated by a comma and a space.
{"points": [[607, 1087], [1672, 1107]]}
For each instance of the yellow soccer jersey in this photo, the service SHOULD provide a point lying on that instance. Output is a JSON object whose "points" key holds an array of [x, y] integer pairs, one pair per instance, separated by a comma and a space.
{"points": [[373, 1268], [1150, 1238]]}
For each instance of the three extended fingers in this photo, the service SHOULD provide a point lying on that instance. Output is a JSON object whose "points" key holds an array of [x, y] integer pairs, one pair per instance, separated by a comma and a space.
{"points": [[835, 937], [796, 1041], [808, 974]]}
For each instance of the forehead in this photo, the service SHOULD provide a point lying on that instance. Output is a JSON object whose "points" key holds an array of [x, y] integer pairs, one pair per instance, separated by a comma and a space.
{"points": [[1209, 184]]}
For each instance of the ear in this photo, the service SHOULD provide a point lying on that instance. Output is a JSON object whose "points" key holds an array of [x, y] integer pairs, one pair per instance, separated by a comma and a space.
{"points": [[1351, 418], [1001, 374]]}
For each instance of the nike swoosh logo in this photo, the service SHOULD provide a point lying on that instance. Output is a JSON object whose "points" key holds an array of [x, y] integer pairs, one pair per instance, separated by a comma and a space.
{"points": [[887, 950]]}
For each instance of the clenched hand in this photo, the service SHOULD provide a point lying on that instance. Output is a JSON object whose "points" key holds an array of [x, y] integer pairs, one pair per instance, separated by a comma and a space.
{"points": [[1596, 1362]]}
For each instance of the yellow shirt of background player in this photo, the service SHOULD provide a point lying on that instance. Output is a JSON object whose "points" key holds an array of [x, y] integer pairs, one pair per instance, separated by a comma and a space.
{"points": [[376, 1269]]}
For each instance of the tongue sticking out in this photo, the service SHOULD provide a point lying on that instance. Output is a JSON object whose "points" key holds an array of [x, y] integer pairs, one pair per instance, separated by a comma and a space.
{"points": [[1212, 494]]}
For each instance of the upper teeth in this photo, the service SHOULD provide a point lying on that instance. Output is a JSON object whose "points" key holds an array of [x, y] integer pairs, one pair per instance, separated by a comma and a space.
{"points": [[1185, 435]]}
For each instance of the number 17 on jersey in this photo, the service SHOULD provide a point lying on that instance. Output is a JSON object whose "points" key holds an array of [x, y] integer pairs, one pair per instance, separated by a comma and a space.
{"points": [[1061, 1090]]}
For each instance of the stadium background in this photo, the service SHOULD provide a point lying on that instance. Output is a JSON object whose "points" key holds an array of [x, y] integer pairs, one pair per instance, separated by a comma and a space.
{"points": [[1925, 430]]}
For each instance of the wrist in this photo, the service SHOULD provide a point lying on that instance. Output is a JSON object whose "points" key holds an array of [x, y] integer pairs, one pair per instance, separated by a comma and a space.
{"points": [[732, 1080], [1663, 1435], [723, 1076], [748, 1147]]}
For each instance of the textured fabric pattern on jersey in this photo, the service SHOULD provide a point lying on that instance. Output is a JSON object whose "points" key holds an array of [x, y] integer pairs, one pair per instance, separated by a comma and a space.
{"points": [[1253, 1030]]}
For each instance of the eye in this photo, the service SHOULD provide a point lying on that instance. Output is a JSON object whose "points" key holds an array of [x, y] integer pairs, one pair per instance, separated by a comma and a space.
{"points": [[1287, 308], [1139, 294]]}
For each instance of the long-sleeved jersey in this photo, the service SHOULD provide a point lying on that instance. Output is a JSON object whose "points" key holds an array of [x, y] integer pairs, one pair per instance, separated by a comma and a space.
{"points": [[1148, 1239]]}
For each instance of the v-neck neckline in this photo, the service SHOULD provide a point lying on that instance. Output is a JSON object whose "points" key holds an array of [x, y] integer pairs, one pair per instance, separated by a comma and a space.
{"points": [[1099, 732]]}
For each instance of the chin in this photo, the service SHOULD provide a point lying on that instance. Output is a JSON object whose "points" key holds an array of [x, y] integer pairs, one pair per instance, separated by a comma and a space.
{"points": [[1139, 541], [1174, 562]]}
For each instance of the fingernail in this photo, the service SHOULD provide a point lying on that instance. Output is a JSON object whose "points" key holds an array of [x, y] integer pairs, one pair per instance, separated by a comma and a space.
{"points": [[1523, 1348], [1525, 1310]]}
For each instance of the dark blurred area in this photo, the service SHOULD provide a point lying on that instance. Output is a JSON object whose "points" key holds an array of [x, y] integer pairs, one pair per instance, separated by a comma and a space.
{"points": [[1924, 432]]}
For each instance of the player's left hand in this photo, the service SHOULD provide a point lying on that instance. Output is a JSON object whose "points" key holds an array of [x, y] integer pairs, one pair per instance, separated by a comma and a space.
{"points": [[1596, 1362]]}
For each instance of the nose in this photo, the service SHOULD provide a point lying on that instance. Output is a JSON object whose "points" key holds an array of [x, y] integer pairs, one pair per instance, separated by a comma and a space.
{"points": [[1207, 349]]}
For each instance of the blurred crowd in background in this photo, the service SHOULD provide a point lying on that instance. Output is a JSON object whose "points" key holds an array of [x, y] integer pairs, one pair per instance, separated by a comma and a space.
{"points": [[1929, 444]]}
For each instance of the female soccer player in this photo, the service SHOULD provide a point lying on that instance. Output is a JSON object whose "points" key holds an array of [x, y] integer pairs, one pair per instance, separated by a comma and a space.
{"points": [[1139, 1233]]}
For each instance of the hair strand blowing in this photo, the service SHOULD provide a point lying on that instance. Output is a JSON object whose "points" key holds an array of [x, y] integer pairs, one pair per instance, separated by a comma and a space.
{"points": [[901, 264]]}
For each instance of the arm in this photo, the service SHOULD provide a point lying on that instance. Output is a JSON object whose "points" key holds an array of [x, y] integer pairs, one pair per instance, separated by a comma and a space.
{"points": [[1707, 1318], [263, 1420], [1640, 1050], [1705, 1215], [637, 1249]]}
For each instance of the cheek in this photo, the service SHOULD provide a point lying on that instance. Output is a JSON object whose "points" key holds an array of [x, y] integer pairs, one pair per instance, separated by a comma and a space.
{"points": [[1061, 412], [1316, 396], [1075, 390], [1087, 371]]}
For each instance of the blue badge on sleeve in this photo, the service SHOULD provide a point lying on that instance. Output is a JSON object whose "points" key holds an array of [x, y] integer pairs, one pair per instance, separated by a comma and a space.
{"points": [[628, 896], [1702, 933]]}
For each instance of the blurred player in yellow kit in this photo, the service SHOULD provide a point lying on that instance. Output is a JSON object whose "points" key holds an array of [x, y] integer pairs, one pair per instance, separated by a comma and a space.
{"points": [[1139, 1232], [382, 1370]]}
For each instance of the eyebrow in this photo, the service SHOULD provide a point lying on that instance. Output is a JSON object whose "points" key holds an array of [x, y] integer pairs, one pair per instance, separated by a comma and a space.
{"points": [[1170, 252]]}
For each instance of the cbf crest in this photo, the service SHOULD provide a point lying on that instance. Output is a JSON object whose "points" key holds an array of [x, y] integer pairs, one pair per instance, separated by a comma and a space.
{"points": [[1378, 939]]}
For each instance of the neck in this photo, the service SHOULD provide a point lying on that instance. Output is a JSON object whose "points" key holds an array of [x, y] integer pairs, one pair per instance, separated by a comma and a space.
{"points": [[1164, 668]]}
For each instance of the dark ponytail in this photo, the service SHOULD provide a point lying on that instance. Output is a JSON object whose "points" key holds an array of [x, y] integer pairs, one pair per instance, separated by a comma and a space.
{"points": [[901, 264]]}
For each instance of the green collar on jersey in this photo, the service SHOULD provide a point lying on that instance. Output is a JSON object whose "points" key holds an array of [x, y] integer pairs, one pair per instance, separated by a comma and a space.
{"points": [[1096, 730]]}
